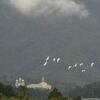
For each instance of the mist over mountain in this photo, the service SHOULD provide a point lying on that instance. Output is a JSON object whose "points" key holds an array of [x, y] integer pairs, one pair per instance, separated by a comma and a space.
{"points": [[71, 32]]}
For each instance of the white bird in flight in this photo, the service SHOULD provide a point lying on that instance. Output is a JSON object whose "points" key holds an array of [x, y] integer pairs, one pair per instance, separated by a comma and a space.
{"points": [[83, 71], [47, 58], [75, 65], [92, 64], [45, 63], [54, 59], [69, 67], [81, 64], [58, 60]]}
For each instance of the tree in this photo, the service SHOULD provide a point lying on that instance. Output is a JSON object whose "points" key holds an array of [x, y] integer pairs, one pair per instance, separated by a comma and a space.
{"points": [[55, 95], [6, 90], [77, 98], [23, 94]]}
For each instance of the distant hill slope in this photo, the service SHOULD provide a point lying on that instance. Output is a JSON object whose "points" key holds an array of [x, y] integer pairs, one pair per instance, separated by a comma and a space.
{"points": [[88, 91], [26, 41]]}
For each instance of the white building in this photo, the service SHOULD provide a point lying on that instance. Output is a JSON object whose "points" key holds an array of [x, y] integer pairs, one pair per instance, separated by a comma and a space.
{"points": [[20, 82], [41, 85]]}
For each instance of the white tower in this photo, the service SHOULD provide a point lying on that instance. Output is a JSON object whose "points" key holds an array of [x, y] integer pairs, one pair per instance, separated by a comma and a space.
{"points": [[16, 84]]}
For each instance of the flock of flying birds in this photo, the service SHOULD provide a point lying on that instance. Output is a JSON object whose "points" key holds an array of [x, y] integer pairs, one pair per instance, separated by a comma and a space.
{"points": [[54, 60], [57, 60], [80, 65]]}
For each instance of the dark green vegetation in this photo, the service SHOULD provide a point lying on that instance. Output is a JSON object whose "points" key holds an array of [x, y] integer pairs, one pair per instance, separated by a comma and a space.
{"points": [[56, 95], [7, 92]]}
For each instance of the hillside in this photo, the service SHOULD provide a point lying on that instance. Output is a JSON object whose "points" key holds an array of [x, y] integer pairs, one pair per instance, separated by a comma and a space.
{"points": [[25, 42]]}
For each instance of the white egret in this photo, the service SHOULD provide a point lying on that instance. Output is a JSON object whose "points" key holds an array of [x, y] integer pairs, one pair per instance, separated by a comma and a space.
{"points": [[45, 63], [92, 64], [47, 58], [75, 65], [83, 71], [58, 60], [54, 59], [69, 67], [81, 64]]}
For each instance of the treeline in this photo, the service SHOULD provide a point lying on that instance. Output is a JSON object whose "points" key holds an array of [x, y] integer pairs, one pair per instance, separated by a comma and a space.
{"points": [[87, 91], [56, 95], [7, 92]]}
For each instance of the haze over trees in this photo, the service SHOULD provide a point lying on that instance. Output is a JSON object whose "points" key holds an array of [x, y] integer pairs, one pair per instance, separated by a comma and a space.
{"points": [[8, 92]]}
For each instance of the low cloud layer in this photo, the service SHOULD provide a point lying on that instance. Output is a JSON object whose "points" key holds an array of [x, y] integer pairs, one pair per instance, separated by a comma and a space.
{"points": [[47, 7]]}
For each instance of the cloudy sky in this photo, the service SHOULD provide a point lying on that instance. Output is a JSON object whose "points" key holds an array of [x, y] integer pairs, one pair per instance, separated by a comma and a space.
{"points": [[47, 7], [33, 29]]}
